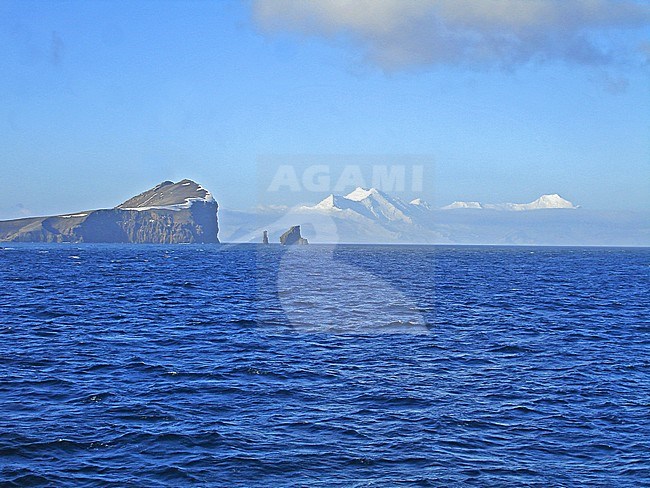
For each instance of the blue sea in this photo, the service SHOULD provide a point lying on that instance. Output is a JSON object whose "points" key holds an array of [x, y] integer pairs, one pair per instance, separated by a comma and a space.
{"points": [[225, 365]]}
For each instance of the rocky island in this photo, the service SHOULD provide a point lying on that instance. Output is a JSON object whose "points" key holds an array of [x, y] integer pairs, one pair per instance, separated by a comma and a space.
{"points": [[292, 237], [169, 213]]}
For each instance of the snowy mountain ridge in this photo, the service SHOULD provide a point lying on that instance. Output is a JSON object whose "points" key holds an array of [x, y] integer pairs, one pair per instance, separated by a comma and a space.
{"points": [[550, 201], [370, 203], [375, 204]]}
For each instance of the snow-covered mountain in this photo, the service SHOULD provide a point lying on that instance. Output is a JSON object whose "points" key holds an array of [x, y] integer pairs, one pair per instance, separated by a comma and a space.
{"points": [[370, 203], [544, 202], [456, 205], [372, 216], [366, 215]]}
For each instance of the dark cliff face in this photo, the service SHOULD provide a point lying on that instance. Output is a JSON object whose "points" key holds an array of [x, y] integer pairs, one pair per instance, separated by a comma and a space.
{"points": [[292, 237], [170, 213]]}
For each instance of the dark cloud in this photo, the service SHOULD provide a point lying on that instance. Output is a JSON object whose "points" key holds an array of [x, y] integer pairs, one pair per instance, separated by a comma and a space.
{"points": [[397, 34]]}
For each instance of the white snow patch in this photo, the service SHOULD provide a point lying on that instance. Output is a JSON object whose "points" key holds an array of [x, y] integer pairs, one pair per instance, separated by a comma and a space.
{"points": [[418, 202], [360, 194], [176, 207], [208, 196]]}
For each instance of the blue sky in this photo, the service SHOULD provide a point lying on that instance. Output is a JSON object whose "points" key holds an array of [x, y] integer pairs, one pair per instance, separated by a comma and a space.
{"points": [[102, 100]]}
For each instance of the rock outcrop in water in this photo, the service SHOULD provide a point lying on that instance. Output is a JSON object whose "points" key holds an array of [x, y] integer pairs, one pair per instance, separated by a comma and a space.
{"points": [[169, 213], [292, 237], [265, 237]]}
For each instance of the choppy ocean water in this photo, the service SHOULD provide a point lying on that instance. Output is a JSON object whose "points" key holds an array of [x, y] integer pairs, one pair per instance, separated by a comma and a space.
{"points": [[317, 366]]}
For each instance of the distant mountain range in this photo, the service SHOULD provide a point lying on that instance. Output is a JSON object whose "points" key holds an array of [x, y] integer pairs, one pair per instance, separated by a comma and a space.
{"points": [[372, 216], [374, 203], [182, 212], [185, 212], [542, 203]]}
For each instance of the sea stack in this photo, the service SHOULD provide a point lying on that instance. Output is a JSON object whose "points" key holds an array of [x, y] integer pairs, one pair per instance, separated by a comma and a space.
{"points": [[265, 237], [293, 237]]}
